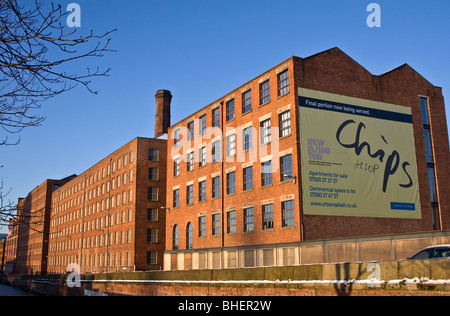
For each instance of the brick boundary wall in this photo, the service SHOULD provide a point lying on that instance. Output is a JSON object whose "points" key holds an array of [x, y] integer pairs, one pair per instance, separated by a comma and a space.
{"points": [[404, 277]]}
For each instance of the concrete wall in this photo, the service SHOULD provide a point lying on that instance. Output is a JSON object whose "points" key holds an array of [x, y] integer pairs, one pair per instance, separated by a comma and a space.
{"points": [[405, 277]]}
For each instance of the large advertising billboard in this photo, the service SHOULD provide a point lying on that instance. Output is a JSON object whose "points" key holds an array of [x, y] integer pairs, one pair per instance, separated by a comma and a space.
{"points": [[357, 157]]}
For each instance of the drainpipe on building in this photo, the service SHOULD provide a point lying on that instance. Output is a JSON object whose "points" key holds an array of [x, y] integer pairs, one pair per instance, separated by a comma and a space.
{"points": [[82, 224], [109, 220], [222, 187]]}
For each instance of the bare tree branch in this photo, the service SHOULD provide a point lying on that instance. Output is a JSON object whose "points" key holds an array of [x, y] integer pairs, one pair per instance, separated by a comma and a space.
{"points": [[37, 51], [35, 46]]}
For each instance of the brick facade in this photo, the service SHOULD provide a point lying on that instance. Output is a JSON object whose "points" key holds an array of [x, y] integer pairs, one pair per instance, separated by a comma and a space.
{"points": [[258, 223], [33, 229], [335, 72], [65, 222], [81, 232], [11, 247]]}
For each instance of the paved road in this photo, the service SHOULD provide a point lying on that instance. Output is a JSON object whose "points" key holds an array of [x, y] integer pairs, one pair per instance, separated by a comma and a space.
{"points": [[6, 290]]}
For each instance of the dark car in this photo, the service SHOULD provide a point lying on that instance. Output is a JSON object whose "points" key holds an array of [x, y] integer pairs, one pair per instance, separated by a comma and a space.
{"points": [[433, 252]]}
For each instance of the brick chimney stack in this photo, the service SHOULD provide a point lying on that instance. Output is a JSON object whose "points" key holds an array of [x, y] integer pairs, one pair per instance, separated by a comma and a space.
{"points": [[162, 119]]}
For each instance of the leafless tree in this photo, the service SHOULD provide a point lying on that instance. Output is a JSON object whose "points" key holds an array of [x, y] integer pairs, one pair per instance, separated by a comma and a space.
{"points": [[19, 213], [37, 49], [8, 209]]}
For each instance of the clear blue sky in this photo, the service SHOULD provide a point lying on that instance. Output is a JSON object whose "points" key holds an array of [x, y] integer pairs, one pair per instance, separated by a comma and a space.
{"points": [[202, 49]]}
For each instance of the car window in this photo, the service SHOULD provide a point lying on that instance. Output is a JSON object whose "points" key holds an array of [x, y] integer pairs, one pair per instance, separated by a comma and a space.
{"points": [[441, 252], [424, 254]]}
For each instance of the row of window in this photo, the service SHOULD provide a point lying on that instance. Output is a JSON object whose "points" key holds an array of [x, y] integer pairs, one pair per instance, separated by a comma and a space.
{"points": [[99, 260], [117, 259], [97, 224], [287, 220], [97, 241], [264, 97], [91, 209], [96, 176], [101, 189], [247, 181], [247, 143], [265, 127]]}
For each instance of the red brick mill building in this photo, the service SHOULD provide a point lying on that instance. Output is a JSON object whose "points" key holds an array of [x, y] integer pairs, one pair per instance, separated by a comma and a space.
{"points": [[236, 193], [313, 149]]}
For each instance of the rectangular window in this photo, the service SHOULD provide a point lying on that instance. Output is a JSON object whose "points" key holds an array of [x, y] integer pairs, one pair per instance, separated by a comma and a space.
{"points": [[264, 92], [435, 216], [285, 123], [152, 236], [248, 178], [287, 208], [202, 191], [265, 132], [216, 117], [427, 130], [151, 257], [286, 167], [247, 101], [231, 145], [176, 167], [152, 214], [267, 213], [215, 151], [428, 145], [202, 226], [283, 82], [190, 161], [231, 222], [247, 138], [189, 236], [430, 163], [190, 194], [153, 155], [202, 156], [230, 110], [425, 112], [216, 187], [202, 124], [152, 174], [190, 127], [153, 194], [231, 182], [432, 183], [177, 137], [266, 173], [249, 221], [176, 198], [216, 224]]}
